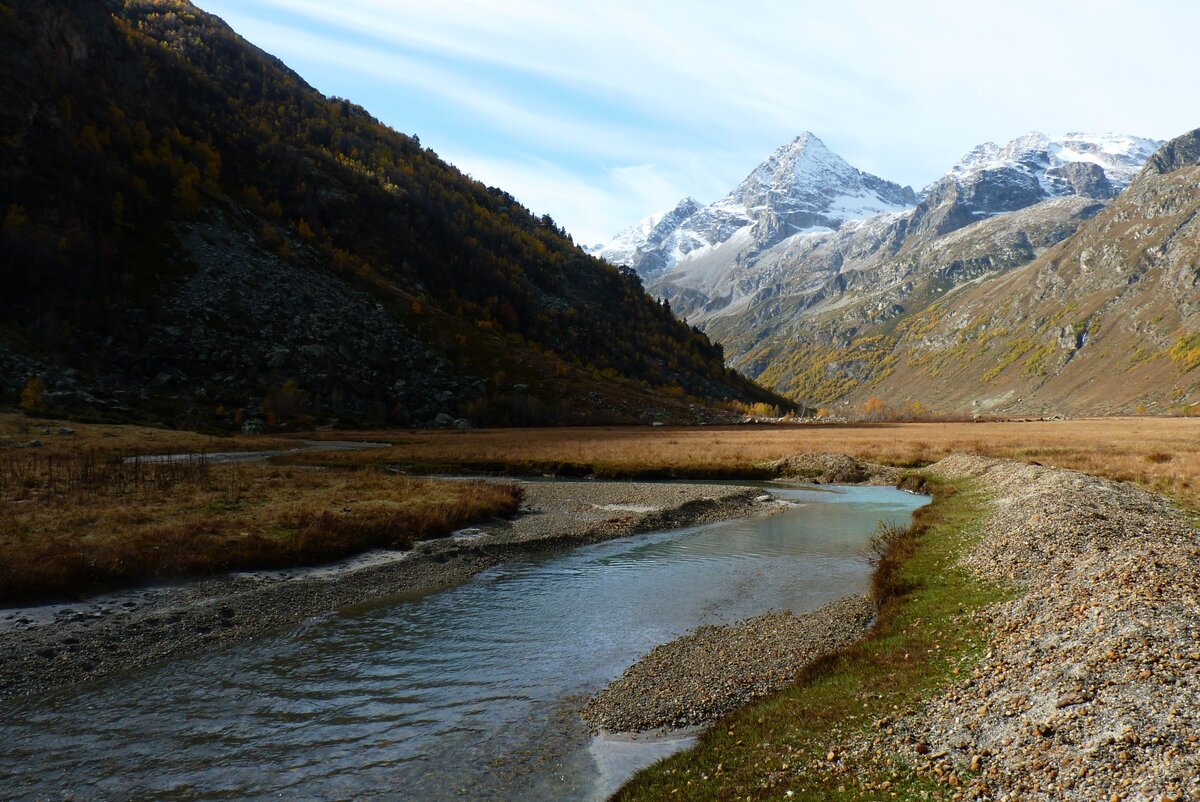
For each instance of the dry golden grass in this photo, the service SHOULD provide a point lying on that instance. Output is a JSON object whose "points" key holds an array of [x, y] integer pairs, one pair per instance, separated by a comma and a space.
{"points": [[63, 539], [17, 429], [64, 535], [1162, 454]]}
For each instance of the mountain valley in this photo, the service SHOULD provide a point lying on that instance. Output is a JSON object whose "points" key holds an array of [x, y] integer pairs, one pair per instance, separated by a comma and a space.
{"points": [[940, 305]]}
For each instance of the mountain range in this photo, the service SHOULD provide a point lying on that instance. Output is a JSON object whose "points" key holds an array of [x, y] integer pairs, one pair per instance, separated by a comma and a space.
{"points": [[802, 187], [192, 234], [976, 295]]}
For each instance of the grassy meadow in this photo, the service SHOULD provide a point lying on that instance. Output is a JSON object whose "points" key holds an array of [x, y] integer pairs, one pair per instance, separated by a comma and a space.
{"points": [[1162, 454], [75, 518]]}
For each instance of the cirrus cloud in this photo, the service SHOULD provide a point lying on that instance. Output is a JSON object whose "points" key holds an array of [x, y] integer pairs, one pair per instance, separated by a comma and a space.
{"points": [[600, 113]]}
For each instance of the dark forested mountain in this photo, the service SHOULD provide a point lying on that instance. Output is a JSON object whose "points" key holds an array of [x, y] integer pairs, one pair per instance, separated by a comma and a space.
{"points": [[191, 231]]}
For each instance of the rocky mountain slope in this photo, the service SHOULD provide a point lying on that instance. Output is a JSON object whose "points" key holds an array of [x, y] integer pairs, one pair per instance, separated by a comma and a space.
{"points": [[994, 179], [830, 316], [1106, 321], [192, 233]]}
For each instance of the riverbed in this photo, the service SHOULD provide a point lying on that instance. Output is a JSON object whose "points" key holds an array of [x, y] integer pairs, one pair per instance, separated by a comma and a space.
{"points": [[469, 693]]}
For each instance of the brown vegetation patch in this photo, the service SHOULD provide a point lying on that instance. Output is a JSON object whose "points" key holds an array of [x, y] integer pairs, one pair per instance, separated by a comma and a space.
{"points": [[1116, 448], [70, 526], [60, 437]]}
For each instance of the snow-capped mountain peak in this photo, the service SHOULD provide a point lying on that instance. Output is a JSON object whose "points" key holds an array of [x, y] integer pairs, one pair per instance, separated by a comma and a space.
{"points": [[803, 186], [628, 246], [1047, 158], [996, 179], [807, 177], [805, 161]]}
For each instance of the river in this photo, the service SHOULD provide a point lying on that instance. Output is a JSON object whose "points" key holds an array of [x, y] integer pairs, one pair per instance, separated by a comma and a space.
{"points": [[470, 693]]}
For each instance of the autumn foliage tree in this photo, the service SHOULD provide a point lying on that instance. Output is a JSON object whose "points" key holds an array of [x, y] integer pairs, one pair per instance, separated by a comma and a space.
{"points": [[33, 397]]}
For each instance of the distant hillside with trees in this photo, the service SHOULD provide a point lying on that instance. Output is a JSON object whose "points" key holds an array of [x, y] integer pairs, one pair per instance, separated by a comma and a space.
{"points": [[192, 232]]}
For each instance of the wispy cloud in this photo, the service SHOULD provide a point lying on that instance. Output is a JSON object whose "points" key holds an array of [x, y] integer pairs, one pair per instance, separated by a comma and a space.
{"points": [[632, 104]]}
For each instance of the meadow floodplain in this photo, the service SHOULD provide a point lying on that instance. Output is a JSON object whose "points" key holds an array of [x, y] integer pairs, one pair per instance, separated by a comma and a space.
{"points": [[77, 518], [1159, 453]]}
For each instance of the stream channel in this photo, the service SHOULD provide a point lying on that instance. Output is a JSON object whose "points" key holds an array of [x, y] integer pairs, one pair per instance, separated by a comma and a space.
{"points": [[469, 693]]}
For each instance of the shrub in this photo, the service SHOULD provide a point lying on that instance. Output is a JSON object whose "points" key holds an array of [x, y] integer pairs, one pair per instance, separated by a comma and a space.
{"points": [[33, 397]]}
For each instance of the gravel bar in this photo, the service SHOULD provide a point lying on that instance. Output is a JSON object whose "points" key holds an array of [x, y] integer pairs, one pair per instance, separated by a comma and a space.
{"points": [[1090, 689], [715, 669], [831, 468], [51, 646]]}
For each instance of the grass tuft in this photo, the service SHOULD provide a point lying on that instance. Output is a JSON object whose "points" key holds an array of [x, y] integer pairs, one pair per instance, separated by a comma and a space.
{"points": [[891, 546]]}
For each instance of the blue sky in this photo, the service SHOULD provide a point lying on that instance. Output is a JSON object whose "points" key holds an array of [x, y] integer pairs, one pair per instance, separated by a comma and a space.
{"points": [[600, 113]]}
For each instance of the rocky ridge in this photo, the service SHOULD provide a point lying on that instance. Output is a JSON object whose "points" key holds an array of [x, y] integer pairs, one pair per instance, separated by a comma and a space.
{"points": [[993, 179], [727, 275], [967, 308]]}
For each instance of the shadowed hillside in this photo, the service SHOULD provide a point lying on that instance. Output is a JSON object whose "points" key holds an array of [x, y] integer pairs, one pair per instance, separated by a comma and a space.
{"points": [[191, 232]]}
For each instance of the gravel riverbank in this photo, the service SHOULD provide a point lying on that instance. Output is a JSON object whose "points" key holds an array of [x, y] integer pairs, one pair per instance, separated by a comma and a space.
{"points": [[841, 469], [1090, 686], [1090, 689], [57, 645], [715, 669]]}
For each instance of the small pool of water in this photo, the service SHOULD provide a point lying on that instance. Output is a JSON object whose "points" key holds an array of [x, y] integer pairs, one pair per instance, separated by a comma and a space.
{"points": [[472, 693]]}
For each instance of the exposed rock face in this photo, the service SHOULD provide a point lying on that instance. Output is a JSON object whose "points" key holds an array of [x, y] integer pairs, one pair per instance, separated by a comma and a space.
{"points": [[778, 314], [1183, 151], [1085, 179], [992, 179]]}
